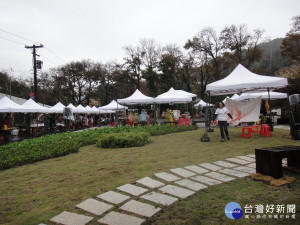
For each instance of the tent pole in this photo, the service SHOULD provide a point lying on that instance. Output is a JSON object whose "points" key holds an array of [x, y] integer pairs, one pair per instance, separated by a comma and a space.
{"points": [[117, 118], [270, 115]]}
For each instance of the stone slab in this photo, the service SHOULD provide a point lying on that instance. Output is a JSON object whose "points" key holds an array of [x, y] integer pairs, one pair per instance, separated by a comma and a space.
{"points": [[93, 206], [68, 218], [195, 186], [116, 218], [219, 176], [177, 191], [235, 173], [159, 198], [132, 189], [206, 180], [140, 208], [225, 164], [113, 197], [245, 169], [167, 176], [247, 158], [251, 155], [196, 169], [183, 172], [238, 161], [210, 166], [251, 165], [150, 183]]}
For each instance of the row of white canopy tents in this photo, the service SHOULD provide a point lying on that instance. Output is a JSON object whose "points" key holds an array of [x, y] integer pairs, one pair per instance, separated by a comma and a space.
{"points": [[170, 97], [30, 106]]}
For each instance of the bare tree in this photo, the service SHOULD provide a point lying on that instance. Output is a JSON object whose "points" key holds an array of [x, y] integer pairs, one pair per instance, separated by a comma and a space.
{"points": [[241, 45]]}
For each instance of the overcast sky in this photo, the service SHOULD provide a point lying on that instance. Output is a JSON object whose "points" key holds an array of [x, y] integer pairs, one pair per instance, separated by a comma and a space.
{"points": [[98, 30]]}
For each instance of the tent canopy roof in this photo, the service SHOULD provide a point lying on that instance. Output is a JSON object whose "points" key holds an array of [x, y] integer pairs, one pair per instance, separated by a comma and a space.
{"points": [[136, 98], [203, 104], [242, 80], [32, 106], [263, 95], [113, 105], [58, 108], [174, 96], [7, 105]]}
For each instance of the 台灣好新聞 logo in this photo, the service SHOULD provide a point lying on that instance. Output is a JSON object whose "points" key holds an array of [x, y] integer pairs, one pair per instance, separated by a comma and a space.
{"points": [[233, 210]]}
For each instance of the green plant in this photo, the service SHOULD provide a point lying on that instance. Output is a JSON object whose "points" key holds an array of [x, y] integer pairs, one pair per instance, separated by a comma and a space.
{"points": [[51, 146], [123, 140]]}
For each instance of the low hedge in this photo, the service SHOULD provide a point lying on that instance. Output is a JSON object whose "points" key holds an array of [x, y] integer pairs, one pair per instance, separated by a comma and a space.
{"points": [[55, 145], [123, 140]]}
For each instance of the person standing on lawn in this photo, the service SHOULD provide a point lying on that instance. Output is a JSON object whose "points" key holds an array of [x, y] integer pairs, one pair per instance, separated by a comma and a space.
{"points": [[222, 113]]}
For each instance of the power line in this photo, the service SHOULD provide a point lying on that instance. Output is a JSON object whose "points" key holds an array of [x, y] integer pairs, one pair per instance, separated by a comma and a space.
{"points": [[12, 41], [17, 36], [13, 61], [49, 60], [55, 55]]}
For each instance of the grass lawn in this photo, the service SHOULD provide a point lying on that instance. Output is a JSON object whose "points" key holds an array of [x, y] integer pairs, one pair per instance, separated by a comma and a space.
{"points": [[34, 193]]}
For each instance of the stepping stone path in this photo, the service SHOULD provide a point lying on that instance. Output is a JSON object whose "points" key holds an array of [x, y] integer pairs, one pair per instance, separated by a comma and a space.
{"points": [[68, 218], [234, 173], [196, 169], [150, 183], [225, 164], [206, 180], [183, 172], [247, 158], [147, 192], [251, 165], [210, 166], [132, 189], [195, 186], [238, 161], [93, 206], [113, 197], [167, 176], [115, 218], [140, 208], [177, 191], [159, 198], [245, 169], [219, 176]]}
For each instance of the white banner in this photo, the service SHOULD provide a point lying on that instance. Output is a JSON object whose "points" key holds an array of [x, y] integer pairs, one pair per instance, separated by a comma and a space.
{"points": [[243, 112]]}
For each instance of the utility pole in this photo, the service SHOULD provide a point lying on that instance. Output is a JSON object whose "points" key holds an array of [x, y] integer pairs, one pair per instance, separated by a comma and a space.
{"points": [[34, 47]]}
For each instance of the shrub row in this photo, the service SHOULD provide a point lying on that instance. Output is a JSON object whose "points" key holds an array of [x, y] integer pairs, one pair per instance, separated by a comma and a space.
{"points": [[123, 140], [55, 145]]}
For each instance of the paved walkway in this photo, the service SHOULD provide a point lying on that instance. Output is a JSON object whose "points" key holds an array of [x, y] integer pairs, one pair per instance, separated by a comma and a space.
{"points": [[132, 204]]}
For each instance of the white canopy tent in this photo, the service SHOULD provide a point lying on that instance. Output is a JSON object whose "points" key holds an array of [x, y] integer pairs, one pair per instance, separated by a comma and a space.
{"points": [[95, 110], [203, 104], [242, 80], [57, 108], [263, 95], [113, 105], [8, 106], [235, 96], [79, 109], [89, 109], [175, 97], [71, 106], [136, 98], [32, 106]]}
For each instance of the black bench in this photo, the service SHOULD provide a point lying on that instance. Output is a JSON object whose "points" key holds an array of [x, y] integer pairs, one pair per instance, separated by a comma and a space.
{"points": [[269, 160]]}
